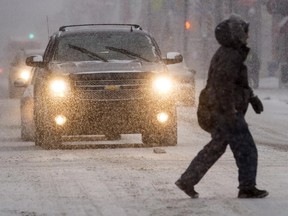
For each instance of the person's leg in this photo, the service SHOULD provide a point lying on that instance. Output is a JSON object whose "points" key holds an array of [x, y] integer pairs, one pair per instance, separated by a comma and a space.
{"points": [[201, 164], [246, 156], [204, 160], [245, 153]]}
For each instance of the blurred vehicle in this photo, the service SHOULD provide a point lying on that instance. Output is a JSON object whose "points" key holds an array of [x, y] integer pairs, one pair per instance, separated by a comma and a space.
{"points": [[27, 106], [19, 69], [185, 79], [253, 67], [12, 47], [107, 79]]}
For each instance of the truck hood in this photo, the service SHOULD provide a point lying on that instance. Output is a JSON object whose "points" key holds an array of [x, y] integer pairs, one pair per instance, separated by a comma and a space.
{"points": [[89, 67]]}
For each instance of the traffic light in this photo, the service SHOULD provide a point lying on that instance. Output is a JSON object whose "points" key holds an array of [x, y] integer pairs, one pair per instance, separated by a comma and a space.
{"points": [[31, 36], [187, 25]]}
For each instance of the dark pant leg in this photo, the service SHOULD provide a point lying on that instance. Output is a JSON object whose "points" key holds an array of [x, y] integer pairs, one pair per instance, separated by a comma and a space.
{"points": [[245, 153], [204, 160]]}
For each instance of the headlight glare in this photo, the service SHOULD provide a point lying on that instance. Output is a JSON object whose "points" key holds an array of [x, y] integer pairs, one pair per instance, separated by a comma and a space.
{"points": [[25, 74], [60, 120], [59, 88], [162, 117], [163, 85]]}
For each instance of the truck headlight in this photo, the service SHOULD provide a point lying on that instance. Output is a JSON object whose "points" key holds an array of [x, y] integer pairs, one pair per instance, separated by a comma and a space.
{"points": [[162, 117], [163, 85], [25, 75], [59, 88]]}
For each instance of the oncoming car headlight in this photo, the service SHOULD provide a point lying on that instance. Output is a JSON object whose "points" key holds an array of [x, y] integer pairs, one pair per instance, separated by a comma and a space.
{"points": [[163, 85], [59, 87], [25, 74]]}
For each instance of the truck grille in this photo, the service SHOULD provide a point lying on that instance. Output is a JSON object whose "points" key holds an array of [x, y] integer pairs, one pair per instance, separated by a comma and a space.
{"points": [[112, 87]]}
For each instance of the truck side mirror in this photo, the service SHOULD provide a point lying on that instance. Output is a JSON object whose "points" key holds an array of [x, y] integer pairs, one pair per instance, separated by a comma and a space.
{"points": [[173, 58], [35, 61]]}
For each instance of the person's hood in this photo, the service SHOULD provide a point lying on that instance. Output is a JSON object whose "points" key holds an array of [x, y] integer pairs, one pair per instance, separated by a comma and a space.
{"points": [[232, 32]]}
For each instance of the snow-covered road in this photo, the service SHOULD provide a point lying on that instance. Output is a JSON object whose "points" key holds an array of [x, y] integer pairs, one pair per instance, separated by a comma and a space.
{"points": [[136, 181]]}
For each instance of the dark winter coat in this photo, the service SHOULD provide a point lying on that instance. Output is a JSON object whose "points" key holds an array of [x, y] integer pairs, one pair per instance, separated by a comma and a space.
{"points": [[228, 80], [227, 91]]}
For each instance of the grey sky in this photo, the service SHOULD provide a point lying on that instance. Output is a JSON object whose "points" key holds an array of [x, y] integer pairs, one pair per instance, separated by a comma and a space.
{"points": [[20, 17]]}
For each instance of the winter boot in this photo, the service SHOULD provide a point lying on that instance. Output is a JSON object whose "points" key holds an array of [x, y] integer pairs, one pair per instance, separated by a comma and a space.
{"points": [[188, 190], [252, 193]]}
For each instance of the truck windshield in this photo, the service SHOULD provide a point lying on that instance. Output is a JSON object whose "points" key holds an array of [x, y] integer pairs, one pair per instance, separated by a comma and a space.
{"points": [[106, 46]]}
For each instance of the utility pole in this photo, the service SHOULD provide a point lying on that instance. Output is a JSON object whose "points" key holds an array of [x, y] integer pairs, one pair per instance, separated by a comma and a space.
{"points": [[149, 13], [231, 6], [185, 32], [126, 11], [218, 11]]}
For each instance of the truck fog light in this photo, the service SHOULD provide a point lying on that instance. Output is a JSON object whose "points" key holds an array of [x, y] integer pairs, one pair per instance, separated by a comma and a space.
{"points": [[60, 120], [162, 117]]}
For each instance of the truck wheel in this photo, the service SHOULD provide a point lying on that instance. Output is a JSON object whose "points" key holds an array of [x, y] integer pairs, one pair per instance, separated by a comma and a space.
{"points": [[190, 99], [46, 135], [27, 132], [191, 94], [159, 138], [48, 139], [25, 135], [149, 139], [11, 91], [38, 139]]}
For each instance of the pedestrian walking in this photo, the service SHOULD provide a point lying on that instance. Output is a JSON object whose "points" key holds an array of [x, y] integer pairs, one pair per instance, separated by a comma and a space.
{"points": [[222, 107]]}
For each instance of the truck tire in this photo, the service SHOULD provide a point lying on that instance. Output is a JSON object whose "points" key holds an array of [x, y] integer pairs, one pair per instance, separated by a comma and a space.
{"points": [[11, 91], [190, 100], [27, 130], [25, 134], [46, 135]]}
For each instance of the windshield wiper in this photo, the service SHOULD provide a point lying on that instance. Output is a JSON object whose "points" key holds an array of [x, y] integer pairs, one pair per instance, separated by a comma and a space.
{"points": [[87, 52], [127, 52]]}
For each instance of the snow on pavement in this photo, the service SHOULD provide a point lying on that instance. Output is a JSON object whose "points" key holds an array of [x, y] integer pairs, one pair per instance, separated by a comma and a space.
{"points": [[136, 181]]}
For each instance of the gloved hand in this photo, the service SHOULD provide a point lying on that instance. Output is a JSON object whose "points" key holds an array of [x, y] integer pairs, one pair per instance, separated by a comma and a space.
{"points": [[256, 104]]}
